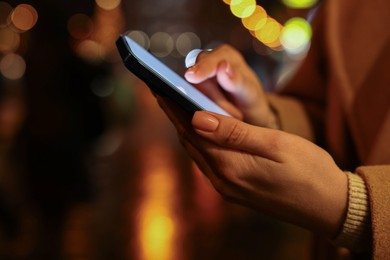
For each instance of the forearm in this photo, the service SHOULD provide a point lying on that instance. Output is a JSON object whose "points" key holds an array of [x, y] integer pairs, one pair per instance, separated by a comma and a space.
{"points": [[355, 233]]}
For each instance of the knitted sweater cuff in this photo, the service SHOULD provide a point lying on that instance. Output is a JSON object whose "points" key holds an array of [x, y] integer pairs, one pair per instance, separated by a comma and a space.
{"points": [[355, 233]]}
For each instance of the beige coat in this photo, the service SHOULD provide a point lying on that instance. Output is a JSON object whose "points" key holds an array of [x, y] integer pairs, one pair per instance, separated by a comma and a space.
{"points": [[340, 98]]}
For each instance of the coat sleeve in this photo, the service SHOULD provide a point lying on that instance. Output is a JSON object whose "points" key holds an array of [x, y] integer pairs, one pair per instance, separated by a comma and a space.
{"points": [[300, 104], [377, 179]]}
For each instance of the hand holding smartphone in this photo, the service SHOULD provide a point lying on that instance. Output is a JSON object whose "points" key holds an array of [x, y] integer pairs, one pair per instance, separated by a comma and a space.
{"points": [[161, 79]]}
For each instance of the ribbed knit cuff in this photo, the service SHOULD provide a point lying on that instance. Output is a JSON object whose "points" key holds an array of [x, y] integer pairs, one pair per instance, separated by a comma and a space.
{"points": [[355, 234]]}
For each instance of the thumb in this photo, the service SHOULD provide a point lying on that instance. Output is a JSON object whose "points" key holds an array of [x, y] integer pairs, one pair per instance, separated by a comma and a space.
{"points": [[233, 133]]}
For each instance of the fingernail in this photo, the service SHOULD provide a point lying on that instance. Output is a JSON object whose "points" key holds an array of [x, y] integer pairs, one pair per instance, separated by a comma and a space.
{"points": [[191, 70], [229, 70], [205, 122]]}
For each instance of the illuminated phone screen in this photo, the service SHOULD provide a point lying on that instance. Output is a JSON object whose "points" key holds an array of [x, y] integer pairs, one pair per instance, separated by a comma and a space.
{"points": [[172, 79]]}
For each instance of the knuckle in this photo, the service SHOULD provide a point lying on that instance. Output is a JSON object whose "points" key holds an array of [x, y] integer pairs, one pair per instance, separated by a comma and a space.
{"points": [[229, 50], [277, 142], [225, 46], [235, 134]]}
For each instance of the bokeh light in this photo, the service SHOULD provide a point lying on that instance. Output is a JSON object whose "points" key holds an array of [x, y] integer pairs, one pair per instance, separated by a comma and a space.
{"points": [[275, 45], [80, 26], [270, 32], [140, 37], [242, 8], [5, 11], [300, 3], [108, 4], [9, 40], [161, 44], [296, 34], [24, 17], [156, 219], [257, 20], [103, 86], [12, 66], [90, 51], [186, 42], [107, 26]]}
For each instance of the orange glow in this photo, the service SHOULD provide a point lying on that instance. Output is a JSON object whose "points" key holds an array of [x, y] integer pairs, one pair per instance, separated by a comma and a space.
{"points": [[90, 50], [275, 45], [12, 114], [9, 40], [24, 17], [108, 4], [270, 32], [80, 26], [157, 233], [257, 20], [227, 1], [108, 24], [157, 223]]}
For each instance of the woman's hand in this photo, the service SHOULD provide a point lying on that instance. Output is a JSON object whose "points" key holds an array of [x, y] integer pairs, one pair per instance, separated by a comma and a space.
{"points": [[279, 174], [224, 76]]}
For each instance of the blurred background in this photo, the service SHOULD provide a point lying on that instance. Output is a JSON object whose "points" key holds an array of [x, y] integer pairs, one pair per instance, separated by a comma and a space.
{"points": [[90, 168]]}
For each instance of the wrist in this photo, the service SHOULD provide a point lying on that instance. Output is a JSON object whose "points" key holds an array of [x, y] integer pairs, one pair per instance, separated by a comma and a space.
{"points": [[355, 232]]}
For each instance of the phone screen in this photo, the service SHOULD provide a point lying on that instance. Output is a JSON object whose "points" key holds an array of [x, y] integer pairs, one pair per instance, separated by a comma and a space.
{"points": [[171, 78]]}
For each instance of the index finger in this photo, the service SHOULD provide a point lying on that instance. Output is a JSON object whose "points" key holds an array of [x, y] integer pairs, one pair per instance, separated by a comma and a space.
{"points": [[208, 63], [235, 134]]}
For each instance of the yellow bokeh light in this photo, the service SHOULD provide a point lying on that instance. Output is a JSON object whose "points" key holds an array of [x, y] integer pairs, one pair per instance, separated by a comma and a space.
{"points": [[270, 32], [227, 1], [157, 223], [157, 235], [24, 17], [108, 4], [257, 20], [300, 3], [296, 33], [242, 8], [275, 45]]}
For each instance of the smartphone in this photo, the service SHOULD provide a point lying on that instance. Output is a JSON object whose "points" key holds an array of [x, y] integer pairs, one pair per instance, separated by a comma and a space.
{"points": [[161, 79]]}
